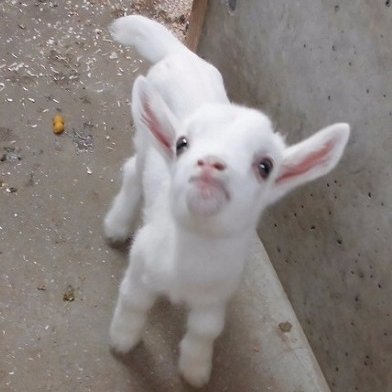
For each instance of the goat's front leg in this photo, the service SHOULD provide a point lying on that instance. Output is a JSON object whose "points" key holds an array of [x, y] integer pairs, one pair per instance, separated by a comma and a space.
{"points": [[135, 300], [205, 323], [122, 214]]}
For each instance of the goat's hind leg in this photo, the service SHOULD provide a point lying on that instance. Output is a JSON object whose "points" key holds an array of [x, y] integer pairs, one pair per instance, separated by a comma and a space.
{"points": [[123, 212]]}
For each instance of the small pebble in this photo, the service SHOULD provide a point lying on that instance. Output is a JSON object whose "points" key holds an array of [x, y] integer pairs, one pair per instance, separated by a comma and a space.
{"points": [[285, 327]]}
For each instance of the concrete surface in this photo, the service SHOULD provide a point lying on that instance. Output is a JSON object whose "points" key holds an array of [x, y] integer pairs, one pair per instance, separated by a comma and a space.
{"points": [[59, 280], [308, 64]]}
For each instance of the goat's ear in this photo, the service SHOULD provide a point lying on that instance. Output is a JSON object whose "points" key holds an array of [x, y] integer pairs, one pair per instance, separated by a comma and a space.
{"points": [[150, 112], [310, 159]]}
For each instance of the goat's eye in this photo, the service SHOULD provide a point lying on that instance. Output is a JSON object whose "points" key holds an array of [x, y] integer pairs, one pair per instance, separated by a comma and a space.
{"points": [[264, 167], [181, 145]]}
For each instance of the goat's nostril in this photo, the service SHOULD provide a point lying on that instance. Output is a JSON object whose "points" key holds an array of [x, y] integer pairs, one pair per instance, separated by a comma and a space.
{"points": [[212, 162], [219, 166]]}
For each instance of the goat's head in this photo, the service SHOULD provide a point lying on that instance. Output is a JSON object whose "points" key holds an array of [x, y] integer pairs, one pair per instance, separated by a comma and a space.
{"points": [[227, 163]]}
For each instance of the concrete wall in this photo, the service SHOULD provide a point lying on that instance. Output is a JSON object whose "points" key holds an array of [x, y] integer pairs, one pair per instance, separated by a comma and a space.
{"points": [[310, 63]]}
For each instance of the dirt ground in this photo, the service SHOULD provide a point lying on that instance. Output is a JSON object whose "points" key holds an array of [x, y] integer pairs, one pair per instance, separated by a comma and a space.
{"points": [[59, 279]]}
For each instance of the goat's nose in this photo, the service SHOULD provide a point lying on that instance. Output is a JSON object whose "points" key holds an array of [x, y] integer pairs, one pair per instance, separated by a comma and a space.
{"points": [[212, 161]]}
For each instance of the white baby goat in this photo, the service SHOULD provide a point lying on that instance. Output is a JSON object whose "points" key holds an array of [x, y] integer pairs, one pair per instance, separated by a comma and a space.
{"points": [[206, 169]]}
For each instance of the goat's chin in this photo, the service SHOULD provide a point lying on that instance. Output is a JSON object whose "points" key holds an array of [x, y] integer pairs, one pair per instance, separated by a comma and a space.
{"points": [[206, 201]]}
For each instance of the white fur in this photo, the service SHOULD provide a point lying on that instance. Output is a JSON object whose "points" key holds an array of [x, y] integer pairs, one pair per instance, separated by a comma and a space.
{"points": [[202, 207]]}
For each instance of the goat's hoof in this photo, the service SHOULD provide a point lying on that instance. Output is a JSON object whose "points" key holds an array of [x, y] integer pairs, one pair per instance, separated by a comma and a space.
{"points": [[195, 373], [123, 341], [115, 233]]}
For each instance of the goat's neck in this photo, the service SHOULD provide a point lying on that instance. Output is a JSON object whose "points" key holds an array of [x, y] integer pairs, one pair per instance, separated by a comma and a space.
{"points": [[193, 245]]}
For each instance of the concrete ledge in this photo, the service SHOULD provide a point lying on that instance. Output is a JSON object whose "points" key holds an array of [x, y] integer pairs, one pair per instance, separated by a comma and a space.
{"points": [[262, 319]]}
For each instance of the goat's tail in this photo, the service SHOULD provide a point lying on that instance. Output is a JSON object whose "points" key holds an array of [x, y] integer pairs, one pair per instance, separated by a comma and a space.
{"points": [[152, 40]]}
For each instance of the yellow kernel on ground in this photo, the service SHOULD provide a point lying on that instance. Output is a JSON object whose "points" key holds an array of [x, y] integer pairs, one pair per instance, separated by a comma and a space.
{"points": [[58, 124], [58, 118], [58, 127]]}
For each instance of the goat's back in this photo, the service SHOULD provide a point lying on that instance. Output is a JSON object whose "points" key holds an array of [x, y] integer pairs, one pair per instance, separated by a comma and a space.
{"points": [[186, 82]]}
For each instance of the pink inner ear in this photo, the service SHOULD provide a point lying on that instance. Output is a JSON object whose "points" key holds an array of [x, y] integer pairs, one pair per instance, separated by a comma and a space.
{"points": [[310, 161], [154, 125]]}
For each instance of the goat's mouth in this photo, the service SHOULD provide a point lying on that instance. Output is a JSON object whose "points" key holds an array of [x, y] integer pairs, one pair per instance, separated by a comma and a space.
{"points": [[207, 185], [206, 195]]}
